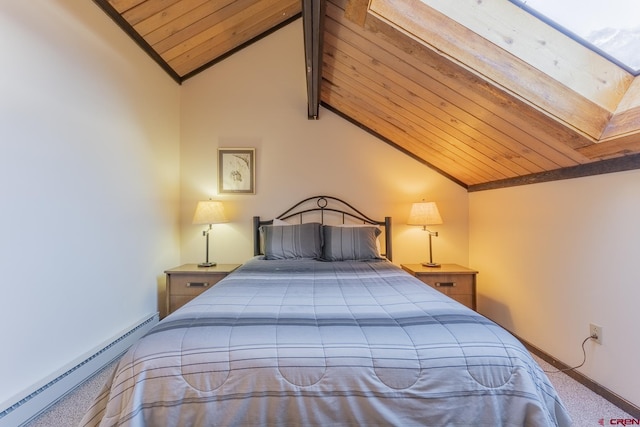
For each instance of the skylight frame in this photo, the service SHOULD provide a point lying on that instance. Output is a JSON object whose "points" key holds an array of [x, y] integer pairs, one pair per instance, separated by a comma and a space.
{"points": [[574, 36]]}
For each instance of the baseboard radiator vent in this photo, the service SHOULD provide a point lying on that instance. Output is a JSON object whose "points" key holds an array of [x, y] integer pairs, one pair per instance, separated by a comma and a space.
{"points": [[32, 402]]}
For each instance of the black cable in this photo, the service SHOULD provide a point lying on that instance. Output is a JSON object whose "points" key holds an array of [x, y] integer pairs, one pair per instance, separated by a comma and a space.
{"points": [[584, 359]]}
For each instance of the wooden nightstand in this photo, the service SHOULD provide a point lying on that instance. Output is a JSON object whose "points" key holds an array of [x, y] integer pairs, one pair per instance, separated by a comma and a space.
{"points": [[452, 280], [186, 282]]}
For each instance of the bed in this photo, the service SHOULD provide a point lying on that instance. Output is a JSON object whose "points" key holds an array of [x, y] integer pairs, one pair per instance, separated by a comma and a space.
{"points": [[319, 328]]}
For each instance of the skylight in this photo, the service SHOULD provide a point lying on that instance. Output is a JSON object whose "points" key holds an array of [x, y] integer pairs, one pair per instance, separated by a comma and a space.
{"points": [[611, 26]]}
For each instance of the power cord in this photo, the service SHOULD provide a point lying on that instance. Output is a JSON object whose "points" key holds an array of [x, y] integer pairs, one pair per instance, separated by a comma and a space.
{"points": [[584, 357]]}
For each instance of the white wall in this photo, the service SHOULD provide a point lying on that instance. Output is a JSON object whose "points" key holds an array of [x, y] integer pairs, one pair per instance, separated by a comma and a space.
{"points": [[89, 180], [257, 98], [555, 257]]}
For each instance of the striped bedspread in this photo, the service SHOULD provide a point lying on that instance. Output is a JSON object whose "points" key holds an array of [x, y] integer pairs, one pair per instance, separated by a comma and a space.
{"points": [[310, 343]]}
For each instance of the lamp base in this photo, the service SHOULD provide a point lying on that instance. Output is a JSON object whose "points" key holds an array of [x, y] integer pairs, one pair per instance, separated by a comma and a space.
{"points": [[430, 264], [207, 264]]}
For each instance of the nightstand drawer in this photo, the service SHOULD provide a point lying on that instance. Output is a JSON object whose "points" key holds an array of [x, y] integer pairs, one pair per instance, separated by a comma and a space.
{"points": [[186, 282], [193, 284], [450, 284], [455, 281]]}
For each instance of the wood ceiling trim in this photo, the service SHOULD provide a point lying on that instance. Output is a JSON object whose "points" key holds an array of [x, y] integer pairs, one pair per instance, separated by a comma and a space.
{"points": [[622, 124], [393, 144], [435, 159], [123, 5], [529, 126], [175, 27], [146, 9], [383, 121], [180, 15], [619, 146], [418, 138], [457, 87], [137, 38], [631, 98], [417, 91], [501, 68], [238, 48], [214, 26], [172, 19], [411, 101], [372, 112], [210, 22], [626, 119], [220, 44]]}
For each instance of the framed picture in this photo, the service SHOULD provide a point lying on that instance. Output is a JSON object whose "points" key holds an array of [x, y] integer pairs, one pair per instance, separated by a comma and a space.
{"points": [[236, 170]]}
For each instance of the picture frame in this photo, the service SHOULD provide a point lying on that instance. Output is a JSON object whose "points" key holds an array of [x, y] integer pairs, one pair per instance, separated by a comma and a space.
{"points": [[236, 170]]}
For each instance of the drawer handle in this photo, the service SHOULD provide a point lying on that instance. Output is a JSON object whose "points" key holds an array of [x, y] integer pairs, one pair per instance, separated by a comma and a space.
{"points": [[445, 284], [197, 284]]}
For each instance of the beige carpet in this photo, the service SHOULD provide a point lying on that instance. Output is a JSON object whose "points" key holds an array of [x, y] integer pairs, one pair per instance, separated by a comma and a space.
{"points": [[69, 410], [586, 408]]}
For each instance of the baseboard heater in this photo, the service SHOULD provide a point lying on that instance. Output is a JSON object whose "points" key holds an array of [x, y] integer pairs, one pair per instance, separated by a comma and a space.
{"points": [[32, 402]]}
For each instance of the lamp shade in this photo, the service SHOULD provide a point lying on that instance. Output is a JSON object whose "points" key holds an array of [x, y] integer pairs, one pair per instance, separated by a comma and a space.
{"points": [[424, 213], [209, 212]]}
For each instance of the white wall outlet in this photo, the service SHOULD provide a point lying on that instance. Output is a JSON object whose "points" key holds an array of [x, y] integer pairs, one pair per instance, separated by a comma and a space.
{"points": [[595, 332]]}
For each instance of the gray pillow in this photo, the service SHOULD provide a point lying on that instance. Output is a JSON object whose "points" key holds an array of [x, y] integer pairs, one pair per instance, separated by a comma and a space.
{"points": [[350, 243], [292, 241]]}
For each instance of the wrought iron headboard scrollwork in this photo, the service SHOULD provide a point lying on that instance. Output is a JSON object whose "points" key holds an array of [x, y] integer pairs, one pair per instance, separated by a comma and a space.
{"points": [[322, 205]]}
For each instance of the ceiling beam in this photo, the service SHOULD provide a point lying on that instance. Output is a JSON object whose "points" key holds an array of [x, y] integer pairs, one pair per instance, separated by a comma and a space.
{"points": [[618, 164], [313, 12]]}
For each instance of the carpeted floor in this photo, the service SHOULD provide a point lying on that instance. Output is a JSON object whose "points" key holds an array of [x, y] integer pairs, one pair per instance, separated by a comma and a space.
{"points": [[586, 408], [69, 410]]}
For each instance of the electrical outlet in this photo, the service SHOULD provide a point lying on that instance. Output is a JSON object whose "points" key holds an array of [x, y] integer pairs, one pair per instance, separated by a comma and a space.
{"points": [[595, 332]]}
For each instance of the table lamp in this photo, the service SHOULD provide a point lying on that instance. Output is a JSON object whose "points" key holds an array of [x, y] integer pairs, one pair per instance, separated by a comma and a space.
{"points": [[426, 213], [209, 212]]}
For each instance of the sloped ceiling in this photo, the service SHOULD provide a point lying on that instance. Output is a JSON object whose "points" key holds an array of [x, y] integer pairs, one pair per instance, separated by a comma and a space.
{"points": [[482, 91]]}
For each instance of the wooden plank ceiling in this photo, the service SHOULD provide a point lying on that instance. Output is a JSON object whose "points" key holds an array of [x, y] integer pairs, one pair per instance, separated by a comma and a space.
{"points": [[487, 102]]}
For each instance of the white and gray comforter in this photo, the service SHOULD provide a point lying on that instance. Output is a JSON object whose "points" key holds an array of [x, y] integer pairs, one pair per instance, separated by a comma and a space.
{"points": [[310, 343]]}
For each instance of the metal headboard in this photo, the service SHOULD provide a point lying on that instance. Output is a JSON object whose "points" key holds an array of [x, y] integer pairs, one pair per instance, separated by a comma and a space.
{"points": [[322, 205]]}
